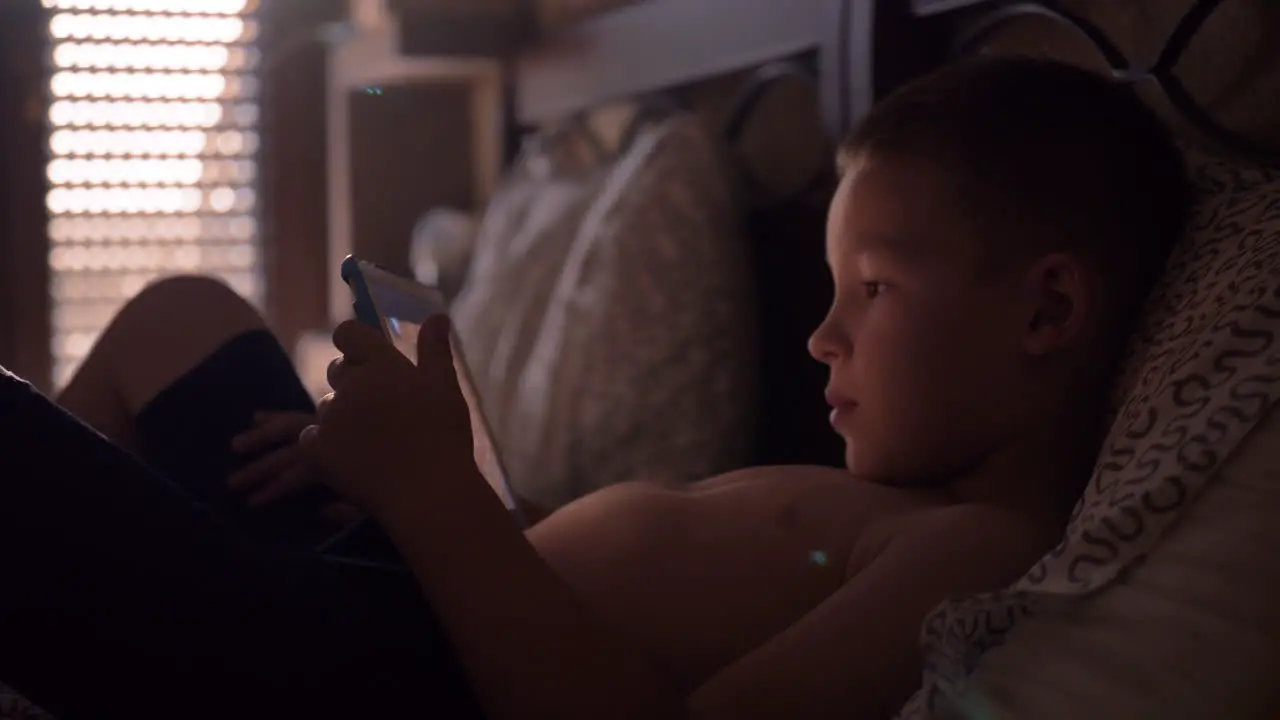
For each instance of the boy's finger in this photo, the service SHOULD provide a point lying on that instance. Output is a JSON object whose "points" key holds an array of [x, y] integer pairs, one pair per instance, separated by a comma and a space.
{"points": [[335, 372], [323, 405], [260, 471], [359, 343], [282, 486], [271, 428], [308, 436], [433, 339]]}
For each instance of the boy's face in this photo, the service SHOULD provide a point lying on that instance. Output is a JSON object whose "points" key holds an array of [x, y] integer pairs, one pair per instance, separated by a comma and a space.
{"points": [[925, 354]]}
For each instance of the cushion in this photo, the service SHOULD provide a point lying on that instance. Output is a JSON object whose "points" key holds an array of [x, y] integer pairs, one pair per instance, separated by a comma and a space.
{"points": [[1170, 543], [645, 363], [520, 245], [441, 247], [1192, 633]]}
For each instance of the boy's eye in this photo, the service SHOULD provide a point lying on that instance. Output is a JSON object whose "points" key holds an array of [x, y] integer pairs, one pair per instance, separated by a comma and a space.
{"points": [[872, 289]]}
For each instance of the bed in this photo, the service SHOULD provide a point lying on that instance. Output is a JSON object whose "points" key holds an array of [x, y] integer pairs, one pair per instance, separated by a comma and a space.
{"points": [[1160, 601], [1187, 488]]}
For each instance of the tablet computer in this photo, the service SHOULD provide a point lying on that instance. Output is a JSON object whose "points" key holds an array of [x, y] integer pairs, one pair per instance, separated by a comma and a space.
{"points": [[398, 306]]}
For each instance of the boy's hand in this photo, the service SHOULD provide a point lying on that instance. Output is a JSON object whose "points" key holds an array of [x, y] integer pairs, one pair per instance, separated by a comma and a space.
{"points": [[284, 471], [389, 424], [279, 473]]}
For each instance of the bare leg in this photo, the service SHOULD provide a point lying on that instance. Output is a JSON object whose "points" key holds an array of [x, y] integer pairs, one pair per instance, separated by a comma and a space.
{"points": [[161, 334]]}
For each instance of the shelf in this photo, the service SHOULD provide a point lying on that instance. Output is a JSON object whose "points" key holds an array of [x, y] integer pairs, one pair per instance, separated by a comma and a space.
{"points": [[463, 28]]}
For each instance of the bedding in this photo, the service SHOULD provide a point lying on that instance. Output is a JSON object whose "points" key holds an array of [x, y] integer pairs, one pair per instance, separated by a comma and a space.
{"points": [[607, 316], [1160, 601], [646, 363], [521, 242], [441, 247], [521, 239], [1192, 633]]}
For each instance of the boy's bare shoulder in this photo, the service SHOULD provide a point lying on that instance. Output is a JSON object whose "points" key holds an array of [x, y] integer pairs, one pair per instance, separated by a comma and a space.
{"points": [[983, 547], [974, 524]]}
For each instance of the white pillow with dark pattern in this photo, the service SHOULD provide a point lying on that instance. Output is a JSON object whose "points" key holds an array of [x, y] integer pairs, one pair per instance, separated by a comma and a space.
{"points": [[1163, 599], [645, 364]]}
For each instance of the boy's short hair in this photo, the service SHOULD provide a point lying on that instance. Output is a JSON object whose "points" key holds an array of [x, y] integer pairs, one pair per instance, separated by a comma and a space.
{"points": [[1067, 159]]}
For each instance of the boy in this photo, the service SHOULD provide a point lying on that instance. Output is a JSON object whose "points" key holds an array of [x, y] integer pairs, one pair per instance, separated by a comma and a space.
{"points": [[996, 229]]}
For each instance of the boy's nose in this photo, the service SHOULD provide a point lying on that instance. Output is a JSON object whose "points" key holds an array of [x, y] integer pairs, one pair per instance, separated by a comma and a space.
{"points": [[827, 343]]}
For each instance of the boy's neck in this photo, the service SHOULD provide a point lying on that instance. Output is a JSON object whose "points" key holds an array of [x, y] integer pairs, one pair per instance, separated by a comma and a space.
{"points": [[1039, 473]]}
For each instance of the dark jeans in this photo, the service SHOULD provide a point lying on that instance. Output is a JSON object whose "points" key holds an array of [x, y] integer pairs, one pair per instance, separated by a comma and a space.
{"points": [[132, 588]]}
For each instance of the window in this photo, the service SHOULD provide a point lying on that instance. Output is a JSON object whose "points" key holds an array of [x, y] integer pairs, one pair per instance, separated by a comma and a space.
{"points": [[152, 169]]}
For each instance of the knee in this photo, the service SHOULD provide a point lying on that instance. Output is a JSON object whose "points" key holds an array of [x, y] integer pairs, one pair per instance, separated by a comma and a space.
{"points": [[170, 327], [188, 305]]}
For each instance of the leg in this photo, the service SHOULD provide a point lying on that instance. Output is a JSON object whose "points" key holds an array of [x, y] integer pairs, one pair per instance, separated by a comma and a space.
{"points": [[185, 433], [178, 373], [121, 598], [156, 338]]}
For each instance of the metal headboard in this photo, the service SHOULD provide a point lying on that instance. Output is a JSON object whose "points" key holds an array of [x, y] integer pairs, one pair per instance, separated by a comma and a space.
{"points": [[1161, 72]]}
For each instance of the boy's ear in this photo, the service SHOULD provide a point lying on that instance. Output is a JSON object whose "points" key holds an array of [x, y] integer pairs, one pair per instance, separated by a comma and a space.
{"points": [[1060, 298]]}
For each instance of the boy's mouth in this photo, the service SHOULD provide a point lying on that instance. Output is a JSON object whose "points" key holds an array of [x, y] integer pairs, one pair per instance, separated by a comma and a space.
{"points": [[841, 406], [837, 400]]}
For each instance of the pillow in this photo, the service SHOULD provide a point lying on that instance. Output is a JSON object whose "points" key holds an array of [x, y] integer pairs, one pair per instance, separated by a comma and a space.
{"points": [[1191, 633], [441, 247], [645, 364], [520, 245], [1181, 566]]}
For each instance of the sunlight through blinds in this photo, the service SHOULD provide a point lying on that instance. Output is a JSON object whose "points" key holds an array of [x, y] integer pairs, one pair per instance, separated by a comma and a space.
{"points": [[152, 166]]}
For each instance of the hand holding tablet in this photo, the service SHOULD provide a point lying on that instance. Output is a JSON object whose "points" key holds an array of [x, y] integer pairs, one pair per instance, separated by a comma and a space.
{"points": [[401, 311]]}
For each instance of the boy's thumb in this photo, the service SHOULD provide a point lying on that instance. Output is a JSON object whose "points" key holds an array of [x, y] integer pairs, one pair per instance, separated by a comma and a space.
{"points": [[433, 338]]}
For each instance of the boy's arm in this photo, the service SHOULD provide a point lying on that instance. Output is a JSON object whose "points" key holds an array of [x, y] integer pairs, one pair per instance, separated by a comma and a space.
{"points": [[530, 648]]}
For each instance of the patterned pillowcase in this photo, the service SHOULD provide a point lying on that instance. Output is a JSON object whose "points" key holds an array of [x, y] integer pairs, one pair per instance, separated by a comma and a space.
{"points": [[1192, 632], [1202, 371]]}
